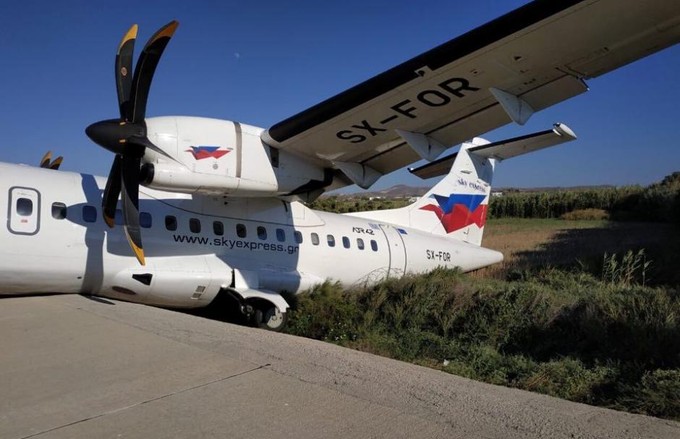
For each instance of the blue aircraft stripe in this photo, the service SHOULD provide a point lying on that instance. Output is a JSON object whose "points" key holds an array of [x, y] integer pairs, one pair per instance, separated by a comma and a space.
{"points": [[209, 149], [470, 201]]}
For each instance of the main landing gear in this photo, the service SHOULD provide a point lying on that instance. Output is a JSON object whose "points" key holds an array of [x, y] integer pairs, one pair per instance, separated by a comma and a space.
{"points": [[270, 318], [265, 315], [259, 312]]}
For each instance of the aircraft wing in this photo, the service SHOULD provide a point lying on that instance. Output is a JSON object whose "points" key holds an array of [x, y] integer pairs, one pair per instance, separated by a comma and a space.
{"points": [[501, 150], [524, 61]]}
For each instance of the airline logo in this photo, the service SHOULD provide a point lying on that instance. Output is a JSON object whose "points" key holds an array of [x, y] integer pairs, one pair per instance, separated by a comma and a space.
{"points": [[204, 152], [459, 210]]}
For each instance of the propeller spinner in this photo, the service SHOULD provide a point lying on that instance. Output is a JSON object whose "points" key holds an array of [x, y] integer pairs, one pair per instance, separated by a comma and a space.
{"points": [[127, 137]]}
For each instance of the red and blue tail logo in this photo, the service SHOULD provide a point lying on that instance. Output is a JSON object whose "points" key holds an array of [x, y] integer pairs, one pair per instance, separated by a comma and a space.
{"points": [[457, 211], [204, 152]]}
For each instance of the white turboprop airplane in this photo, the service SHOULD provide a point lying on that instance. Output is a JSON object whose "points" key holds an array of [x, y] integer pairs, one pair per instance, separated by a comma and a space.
{"points": [[220, 209]]}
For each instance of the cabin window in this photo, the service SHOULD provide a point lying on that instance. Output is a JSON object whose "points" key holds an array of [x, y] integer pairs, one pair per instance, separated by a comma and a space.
{"points": [[218, 228], [24, 206], [360, 243], [195, 225], [241, 230], [89, 214], [280, 235], [261, 232], [315, 239], [145, 220], [331, 240], [59, 211], [171, 222], [345, 242], [298, 237], [374, 245]]}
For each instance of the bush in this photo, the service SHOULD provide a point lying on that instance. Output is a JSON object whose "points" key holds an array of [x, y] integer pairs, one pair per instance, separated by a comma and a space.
{"points": [[659, 393], [567, 334]]}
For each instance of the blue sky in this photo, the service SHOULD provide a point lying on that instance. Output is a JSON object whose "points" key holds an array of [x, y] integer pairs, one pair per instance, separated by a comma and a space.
{"points": [[260, 62]]}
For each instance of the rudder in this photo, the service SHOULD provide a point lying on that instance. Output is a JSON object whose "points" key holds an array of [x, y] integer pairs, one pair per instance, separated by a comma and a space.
{"points": [[457, 206]]}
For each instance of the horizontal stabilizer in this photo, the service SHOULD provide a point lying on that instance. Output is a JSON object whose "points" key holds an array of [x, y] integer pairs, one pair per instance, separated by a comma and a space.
{"points": [[501, 150]]}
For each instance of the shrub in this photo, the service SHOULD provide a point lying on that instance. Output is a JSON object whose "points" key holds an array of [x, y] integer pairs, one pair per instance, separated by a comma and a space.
{"points": [[567, 334]]}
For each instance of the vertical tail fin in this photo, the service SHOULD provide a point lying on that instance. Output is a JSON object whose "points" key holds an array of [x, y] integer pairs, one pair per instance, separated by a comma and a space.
{"points": [[458, 204]]}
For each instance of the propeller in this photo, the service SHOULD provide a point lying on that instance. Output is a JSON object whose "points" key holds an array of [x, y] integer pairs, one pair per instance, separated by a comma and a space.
{"points": [[48, 163], [126, 137]]}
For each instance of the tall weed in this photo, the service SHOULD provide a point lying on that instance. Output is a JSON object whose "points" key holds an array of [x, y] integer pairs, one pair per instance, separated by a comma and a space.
{"points": [[567, 334]]}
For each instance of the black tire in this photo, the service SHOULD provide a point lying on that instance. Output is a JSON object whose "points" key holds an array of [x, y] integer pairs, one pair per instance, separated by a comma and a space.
{"points": [[269, 318]]}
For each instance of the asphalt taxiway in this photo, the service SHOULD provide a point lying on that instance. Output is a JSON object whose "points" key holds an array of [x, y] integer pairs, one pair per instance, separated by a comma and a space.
{"points": [[73, 367]]}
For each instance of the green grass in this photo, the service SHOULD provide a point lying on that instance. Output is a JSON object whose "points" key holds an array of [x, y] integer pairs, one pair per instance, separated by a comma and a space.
{"points": [[552, 320], [568, 335]]}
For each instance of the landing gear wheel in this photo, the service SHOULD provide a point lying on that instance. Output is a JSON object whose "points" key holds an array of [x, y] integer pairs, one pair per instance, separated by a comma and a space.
{"points": [[270, 318]]}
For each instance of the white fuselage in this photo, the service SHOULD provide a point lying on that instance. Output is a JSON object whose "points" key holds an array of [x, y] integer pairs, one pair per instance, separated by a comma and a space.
{"points": [[197, 245]]}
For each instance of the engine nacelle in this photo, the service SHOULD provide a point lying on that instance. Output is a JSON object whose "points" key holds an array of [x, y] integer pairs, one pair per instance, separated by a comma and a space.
{"points": [[177, 178], [186, 282], [222, 157]]}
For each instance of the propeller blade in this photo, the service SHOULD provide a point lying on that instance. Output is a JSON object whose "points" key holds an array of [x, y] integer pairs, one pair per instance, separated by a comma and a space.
{"points": [[130, 199], [45, 162], [127, 137], [56, 163], [111, 192], [146, 66], [124, 70]]}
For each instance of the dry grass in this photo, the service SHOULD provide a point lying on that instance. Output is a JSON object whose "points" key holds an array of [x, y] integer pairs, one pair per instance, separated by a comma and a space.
{"points": [[531, 243]]}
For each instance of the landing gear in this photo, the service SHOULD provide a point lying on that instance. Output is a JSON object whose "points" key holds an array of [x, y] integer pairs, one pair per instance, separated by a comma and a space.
{"points": [[267, 316], [260, 312]]}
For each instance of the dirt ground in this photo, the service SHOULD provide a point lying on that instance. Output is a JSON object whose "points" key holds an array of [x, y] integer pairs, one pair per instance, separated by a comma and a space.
{"points": [[530, 243]]}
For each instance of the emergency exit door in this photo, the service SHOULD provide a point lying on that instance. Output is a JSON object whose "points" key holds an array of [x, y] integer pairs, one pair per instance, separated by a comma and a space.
{"points": [[23, 216]]}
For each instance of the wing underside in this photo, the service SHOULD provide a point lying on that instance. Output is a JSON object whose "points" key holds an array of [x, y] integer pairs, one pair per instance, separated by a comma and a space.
{"points": [[522, 62], [501, 150]]}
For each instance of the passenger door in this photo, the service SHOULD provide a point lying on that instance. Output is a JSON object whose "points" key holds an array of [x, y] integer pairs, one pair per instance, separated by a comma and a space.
{"points": [[396, 249], [24, 211]]}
